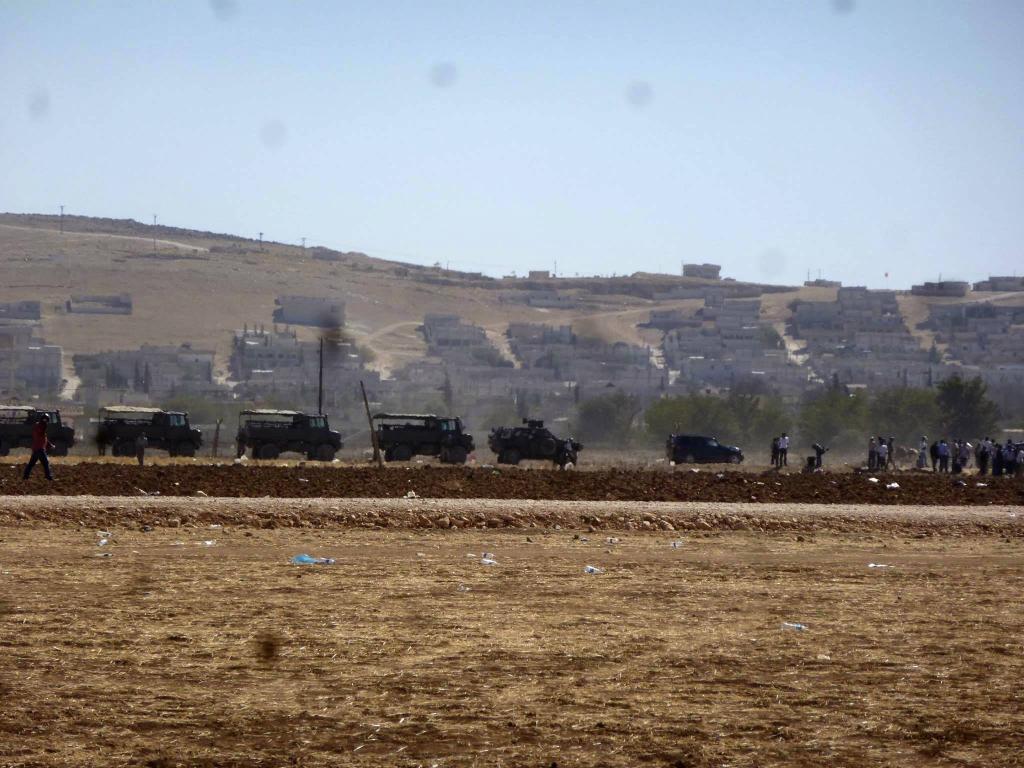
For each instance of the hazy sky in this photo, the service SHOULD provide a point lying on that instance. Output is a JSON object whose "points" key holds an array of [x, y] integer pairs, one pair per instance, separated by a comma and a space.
{"points": [[857, 137]]}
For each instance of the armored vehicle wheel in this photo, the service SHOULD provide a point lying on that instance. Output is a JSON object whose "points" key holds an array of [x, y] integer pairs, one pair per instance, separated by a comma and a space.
{"points": [[122, 448], [689, 459], [268, 451], [510, 456], [734, 459], [456, 455], [186, 449], [324, 452], [401, 453], [4, 449], [547, 446]]}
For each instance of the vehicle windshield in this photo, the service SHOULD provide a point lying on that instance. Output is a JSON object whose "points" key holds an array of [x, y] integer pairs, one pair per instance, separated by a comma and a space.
{"points": [[318, 422], [176, 420]]}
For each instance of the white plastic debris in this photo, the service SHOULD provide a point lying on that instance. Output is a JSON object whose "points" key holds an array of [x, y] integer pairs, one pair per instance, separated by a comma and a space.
{"points": [[872, 479], [676, 544], [592, 569], [794, 625], [488, 561], [879, 565], [893, 486], [208, 543], [412, 495]]}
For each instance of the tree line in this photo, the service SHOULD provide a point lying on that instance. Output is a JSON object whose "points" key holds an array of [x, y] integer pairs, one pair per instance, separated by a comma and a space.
{"points": [[838, 417]]}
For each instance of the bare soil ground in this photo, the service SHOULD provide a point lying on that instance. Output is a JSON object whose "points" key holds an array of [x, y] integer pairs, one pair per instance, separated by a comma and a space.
{"points": [[255, 479], [180, 644]]}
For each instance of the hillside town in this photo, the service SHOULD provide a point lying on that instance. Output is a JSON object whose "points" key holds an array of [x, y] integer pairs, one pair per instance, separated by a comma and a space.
{"points": [[713, 339]]}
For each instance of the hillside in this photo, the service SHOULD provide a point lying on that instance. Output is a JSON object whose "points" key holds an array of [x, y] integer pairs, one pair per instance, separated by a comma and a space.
{"points": [[198, 287]]}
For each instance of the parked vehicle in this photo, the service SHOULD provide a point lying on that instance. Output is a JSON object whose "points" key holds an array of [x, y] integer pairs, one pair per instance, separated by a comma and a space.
{"points": [[120, 425], [402, 436], [269, 433], [696, 449], [17, 421], [532, 441]]}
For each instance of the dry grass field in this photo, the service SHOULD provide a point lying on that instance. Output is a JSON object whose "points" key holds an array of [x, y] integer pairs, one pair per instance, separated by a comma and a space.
{"points": [[159, 649]]}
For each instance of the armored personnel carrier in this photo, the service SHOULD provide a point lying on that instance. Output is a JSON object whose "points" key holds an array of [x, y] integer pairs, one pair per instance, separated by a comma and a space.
{"points": [[17, 421], [269, 433], [401, 436], [120, 425], [532, 441]]}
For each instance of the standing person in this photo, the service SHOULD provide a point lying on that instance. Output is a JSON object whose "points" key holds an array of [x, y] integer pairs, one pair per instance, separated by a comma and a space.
{"points": [[1010, 458], [922, 453], [883, 455], [819, 451], [872, 454], [934, 454], [1020, 459], [40, 444], [965, 455], [891, 453], [984, 454], [784, 450], [775, 451], [997, 460], [943, 456], [141, 443], [954, 454]]}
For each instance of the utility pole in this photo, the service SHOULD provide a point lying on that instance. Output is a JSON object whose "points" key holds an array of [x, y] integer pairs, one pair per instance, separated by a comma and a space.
{"points": [[320, 387], [154, 233], [62, 219], [373, 433], [303, 243], [261, 241]]}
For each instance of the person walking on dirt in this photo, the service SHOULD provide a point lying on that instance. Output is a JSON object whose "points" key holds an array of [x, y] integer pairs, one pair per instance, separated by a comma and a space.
{"points": [[40, 444], [934, 454], [141, 443], [943, 456], [890, 453], [922, 453], [784, 450], [984, 454], [872, 454], [775, 451]]}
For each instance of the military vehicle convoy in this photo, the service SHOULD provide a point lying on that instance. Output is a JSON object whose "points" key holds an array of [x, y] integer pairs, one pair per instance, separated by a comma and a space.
{"points": [[17, 421], [120, 426], [401, 436], [532, 441], [269, 433]]}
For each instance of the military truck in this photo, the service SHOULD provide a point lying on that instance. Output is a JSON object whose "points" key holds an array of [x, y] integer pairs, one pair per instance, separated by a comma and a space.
{"points": [[120, 425], [401, 436], [532, 441], [269, 433], [17, 421], [694, 449]]}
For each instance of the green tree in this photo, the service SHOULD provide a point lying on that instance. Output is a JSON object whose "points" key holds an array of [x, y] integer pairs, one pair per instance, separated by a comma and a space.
{"points": [[833, 413], [606, 419], [966, 410], [905, 413]]}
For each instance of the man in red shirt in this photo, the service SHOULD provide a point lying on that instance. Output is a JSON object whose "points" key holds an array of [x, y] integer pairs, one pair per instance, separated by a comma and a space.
{"points": [[40, 443]]}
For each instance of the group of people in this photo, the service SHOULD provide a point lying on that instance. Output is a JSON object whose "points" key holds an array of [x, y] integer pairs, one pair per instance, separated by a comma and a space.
{"points": [[881, 454], [780, 451], [955, 457]]}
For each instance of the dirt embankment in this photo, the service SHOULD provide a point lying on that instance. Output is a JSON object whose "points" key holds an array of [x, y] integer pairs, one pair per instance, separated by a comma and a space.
{"points": [[588, 519], [485, 483]]}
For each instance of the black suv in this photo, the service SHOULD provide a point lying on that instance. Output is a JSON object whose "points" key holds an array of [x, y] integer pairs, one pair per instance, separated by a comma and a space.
{"points": [[402, 436], [693, 449], [532, 441], [270, 433], [17, 421]]}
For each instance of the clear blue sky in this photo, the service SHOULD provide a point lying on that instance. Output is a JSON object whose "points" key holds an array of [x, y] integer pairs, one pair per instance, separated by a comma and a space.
{"points": [[852, 136]]}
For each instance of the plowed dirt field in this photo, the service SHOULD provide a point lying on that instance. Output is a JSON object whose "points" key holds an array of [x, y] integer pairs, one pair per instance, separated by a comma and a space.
{"points": [[427, 481], [179, 633]]}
